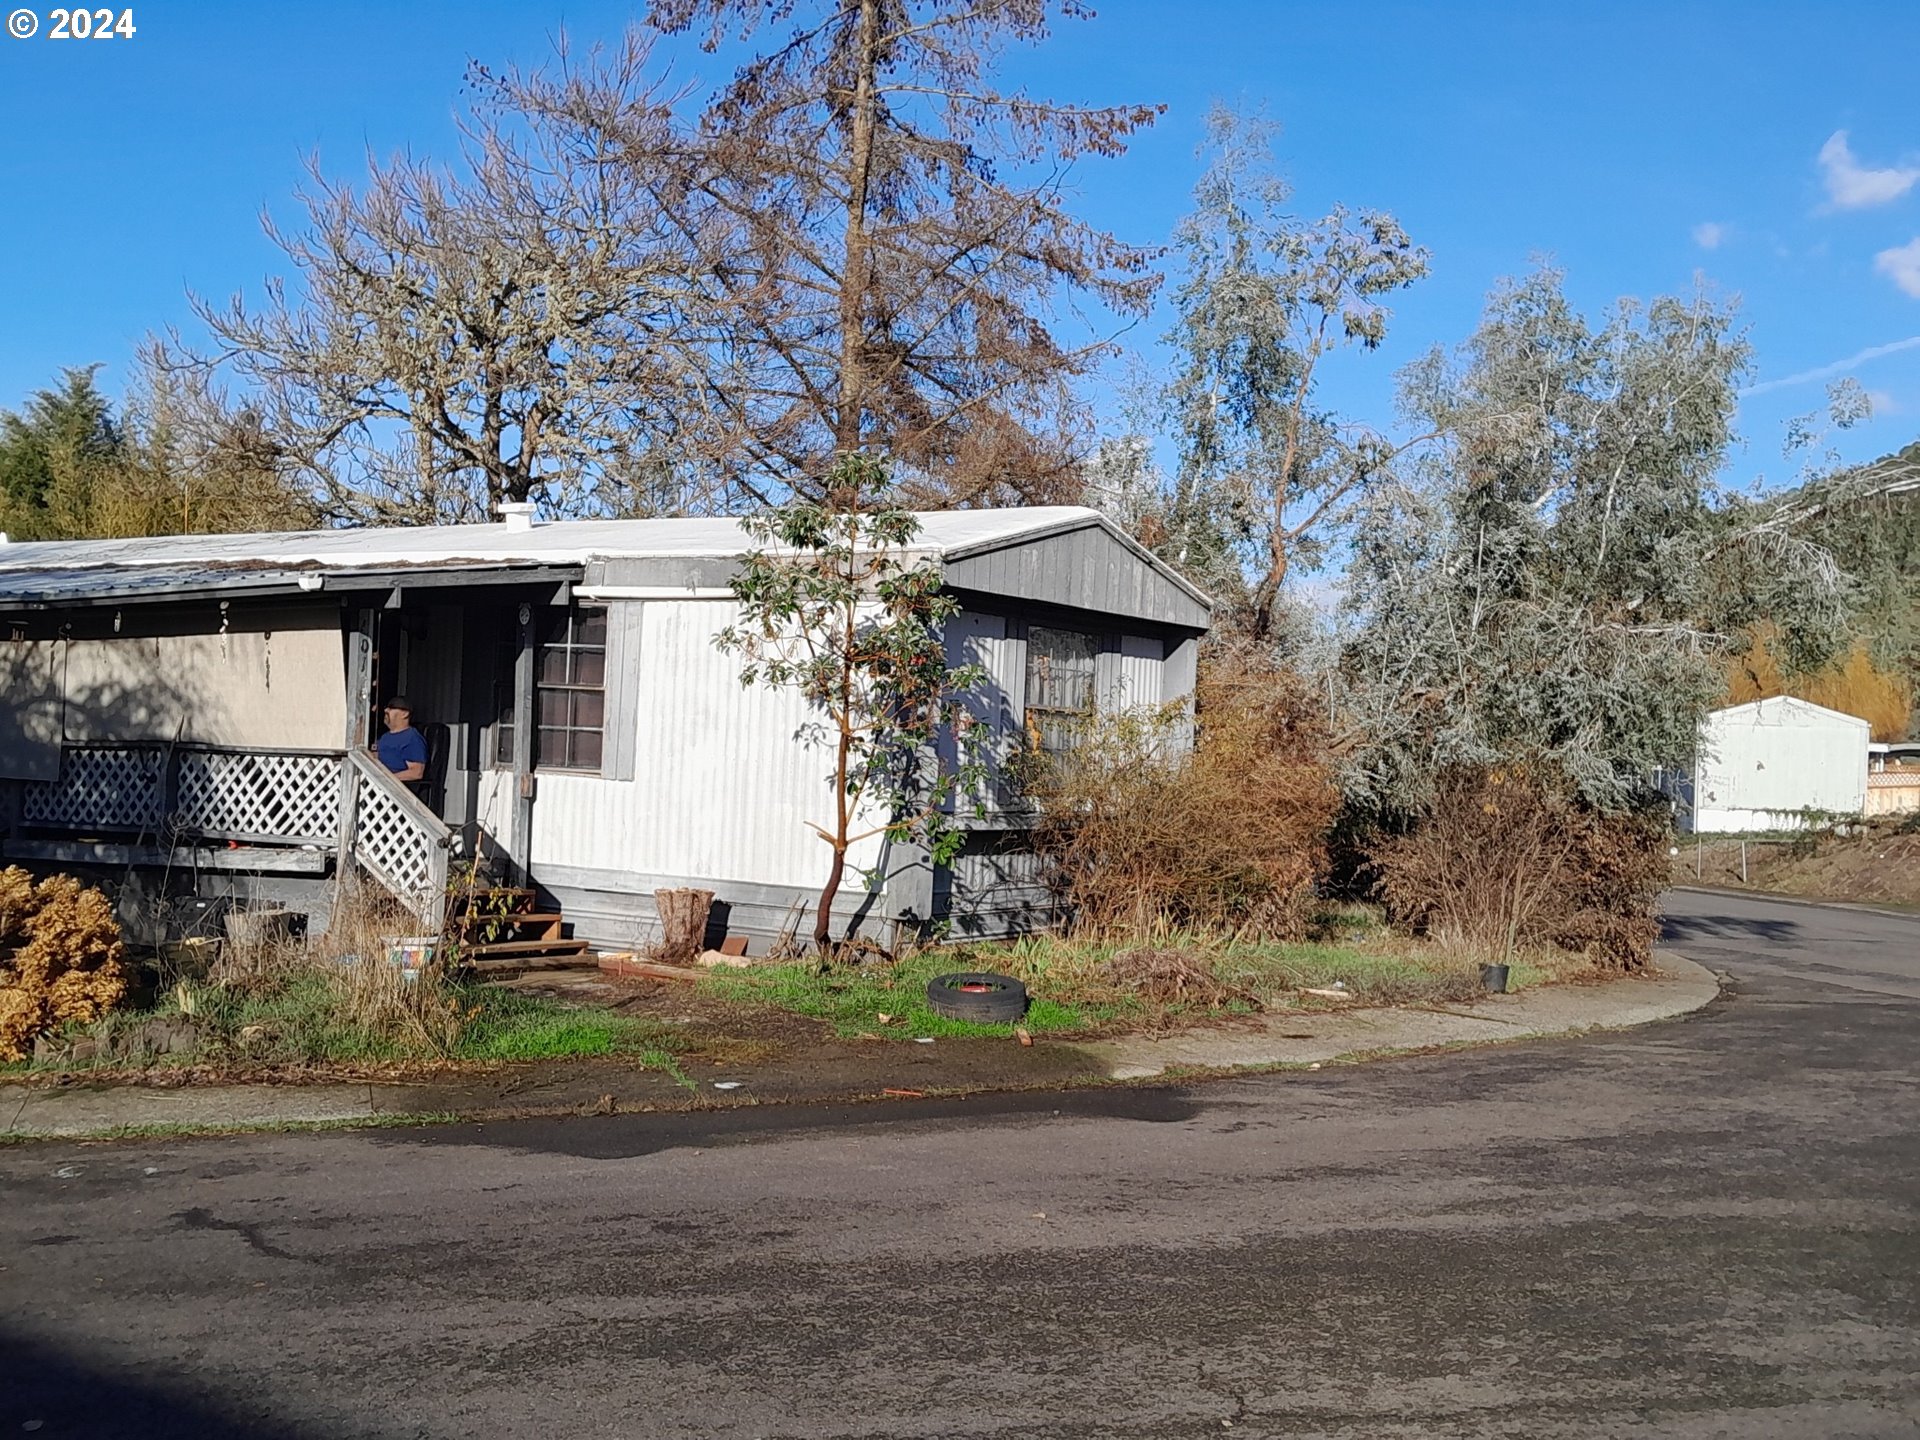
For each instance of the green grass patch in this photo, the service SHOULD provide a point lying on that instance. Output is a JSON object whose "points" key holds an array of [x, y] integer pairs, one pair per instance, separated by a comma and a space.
{"points": [[506, 1026], [299, 1021], [853, 999]]}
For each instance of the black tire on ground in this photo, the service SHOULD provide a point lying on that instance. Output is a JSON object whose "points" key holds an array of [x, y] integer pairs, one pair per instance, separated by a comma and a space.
{"points": [[1004, 1000]]}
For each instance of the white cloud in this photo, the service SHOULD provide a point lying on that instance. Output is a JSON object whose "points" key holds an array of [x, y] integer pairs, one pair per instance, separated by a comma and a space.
{"points": [[1902, 265], [1711, 234], [1853, 186], [1838, 367], [1883, 403]]}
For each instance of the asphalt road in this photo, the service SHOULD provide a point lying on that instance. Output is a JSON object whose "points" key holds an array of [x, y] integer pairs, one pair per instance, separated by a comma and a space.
{"points": [[1703, 1228]]}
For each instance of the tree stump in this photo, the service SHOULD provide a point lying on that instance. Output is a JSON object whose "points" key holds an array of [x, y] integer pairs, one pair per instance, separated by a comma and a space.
{"points": [[683, 923]]}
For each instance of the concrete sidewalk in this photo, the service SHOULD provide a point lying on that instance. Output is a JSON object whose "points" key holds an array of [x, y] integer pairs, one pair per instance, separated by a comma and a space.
{"points": [[847, 1070]]}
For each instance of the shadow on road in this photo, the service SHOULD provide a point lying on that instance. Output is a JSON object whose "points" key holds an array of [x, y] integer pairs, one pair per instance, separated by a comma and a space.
{"points": [[51, 1392], [622, 1137], [1725, 927]]}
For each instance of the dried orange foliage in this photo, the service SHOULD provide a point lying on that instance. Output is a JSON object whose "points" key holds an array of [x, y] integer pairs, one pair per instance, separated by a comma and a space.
{"points": [[1230, 835], [60, 955], [1853, 685]]}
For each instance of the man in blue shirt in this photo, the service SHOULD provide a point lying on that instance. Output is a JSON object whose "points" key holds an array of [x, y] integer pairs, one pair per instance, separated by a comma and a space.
{"points": [[403, 749]]}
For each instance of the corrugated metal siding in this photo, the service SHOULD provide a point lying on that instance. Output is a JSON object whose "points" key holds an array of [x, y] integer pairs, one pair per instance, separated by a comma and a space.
{"points": [[998, 701], [1761, 764], [494, 807], [615, 910], [721, 788], [625, 681], [997, 888], [1129, 677]]}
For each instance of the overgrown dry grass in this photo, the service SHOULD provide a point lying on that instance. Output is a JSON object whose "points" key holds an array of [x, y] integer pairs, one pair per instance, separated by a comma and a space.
{"points": [[349, 968], [1169, 980], [1144, 833], [1506, 862], [1183, 975], [336, 1000]]}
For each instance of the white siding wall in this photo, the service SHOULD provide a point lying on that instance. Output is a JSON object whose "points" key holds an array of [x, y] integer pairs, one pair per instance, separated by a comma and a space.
{"points": [[1130, 677], [1762, 763], [999, 700], [494, 810], [721, 789]]}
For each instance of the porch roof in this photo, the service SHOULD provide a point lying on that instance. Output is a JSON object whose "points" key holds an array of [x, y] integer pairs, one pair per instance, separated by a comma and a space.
{"points": [[78, 571]]}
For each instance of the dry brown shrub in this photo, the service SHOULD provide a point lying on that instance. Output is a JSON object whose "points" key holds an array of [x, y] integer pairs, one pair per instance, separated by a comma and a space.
{"points": [[1146, 835], [1506, 861], [258, 959], [60, 957], [1618, 868]]}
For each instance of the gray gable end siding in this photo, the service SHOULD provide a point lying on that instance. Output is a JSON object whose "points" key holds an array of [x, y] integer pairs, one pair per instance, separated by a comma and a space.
{"points": [[1081, 569]]}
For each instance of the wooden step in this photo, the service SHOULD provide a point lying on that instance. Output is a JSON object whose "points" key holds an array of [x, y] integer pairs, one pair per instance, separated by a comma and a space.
{"points": [[466, 924], [512, 956], [500, 948], [489, 971]]}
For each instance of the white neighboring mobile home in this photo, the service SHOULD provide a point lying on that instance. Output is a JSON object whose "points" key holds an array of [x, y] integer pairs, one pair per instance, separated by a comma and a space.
{"points": [[1763, 765], [192, 713]]}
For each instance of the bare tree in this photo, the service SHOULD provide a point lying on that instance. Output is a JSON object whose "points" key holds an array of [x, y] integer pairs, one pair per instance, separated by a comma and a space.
{"points": [[459, 336], [884, 239], [201, 463]]}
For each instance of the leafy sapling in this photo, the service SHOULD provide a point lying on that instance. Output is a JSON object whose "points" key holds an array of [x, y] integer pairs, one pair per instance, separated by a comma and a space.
{"points": [[835, 604]]}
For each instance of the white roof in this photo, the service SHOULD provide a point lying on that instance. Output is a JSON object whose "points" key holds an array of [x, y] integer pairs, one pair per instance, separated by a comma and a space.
{"points": [[1782, 709], [948, 533]]}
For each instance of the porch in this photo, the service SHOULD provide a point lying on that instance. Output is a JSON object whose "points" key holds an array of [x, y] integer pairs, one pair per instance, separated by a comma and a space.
{"points": [[195, 807], [144, 756]]}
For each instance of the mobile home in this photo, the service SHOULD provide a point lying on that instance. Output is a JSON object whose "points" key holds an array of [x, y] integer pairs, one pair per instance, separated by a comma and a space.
{"points": [[190, 716]]}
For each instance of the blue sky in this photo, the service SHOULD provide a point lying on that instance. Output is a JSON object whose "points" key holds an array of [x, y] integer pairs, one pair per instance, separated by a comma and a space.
{"points": [[1772, 149]]}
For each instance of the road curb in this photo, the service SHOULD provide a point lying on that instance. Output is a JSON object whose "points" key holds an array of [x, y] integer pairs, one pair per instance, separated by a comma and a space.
{"points": [[99, 1111], [1680, 988]]}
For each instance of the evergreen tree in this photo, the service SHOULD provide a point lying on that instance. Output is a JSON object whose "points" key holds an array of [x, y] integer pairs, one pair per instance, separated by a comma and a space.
{"points": [[53, 453]]}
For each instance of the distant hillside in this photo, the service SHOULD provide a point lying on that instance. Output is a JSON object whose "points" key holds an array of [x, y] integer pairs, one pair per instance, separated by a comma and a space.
{"points": [[1877, 542]]}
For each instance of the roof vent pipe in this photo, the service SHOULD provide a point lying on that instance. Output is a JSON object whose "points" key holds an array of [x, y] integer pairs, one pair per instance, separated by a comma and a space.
{"points": [[518, 514]]}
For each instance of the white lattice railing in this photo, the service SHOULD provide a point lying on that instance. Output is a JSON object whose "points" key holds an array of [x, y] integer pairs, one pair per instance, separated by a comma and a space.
{"points": [[398, 840], [101, 787], [284, 796], [258, 795]]}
